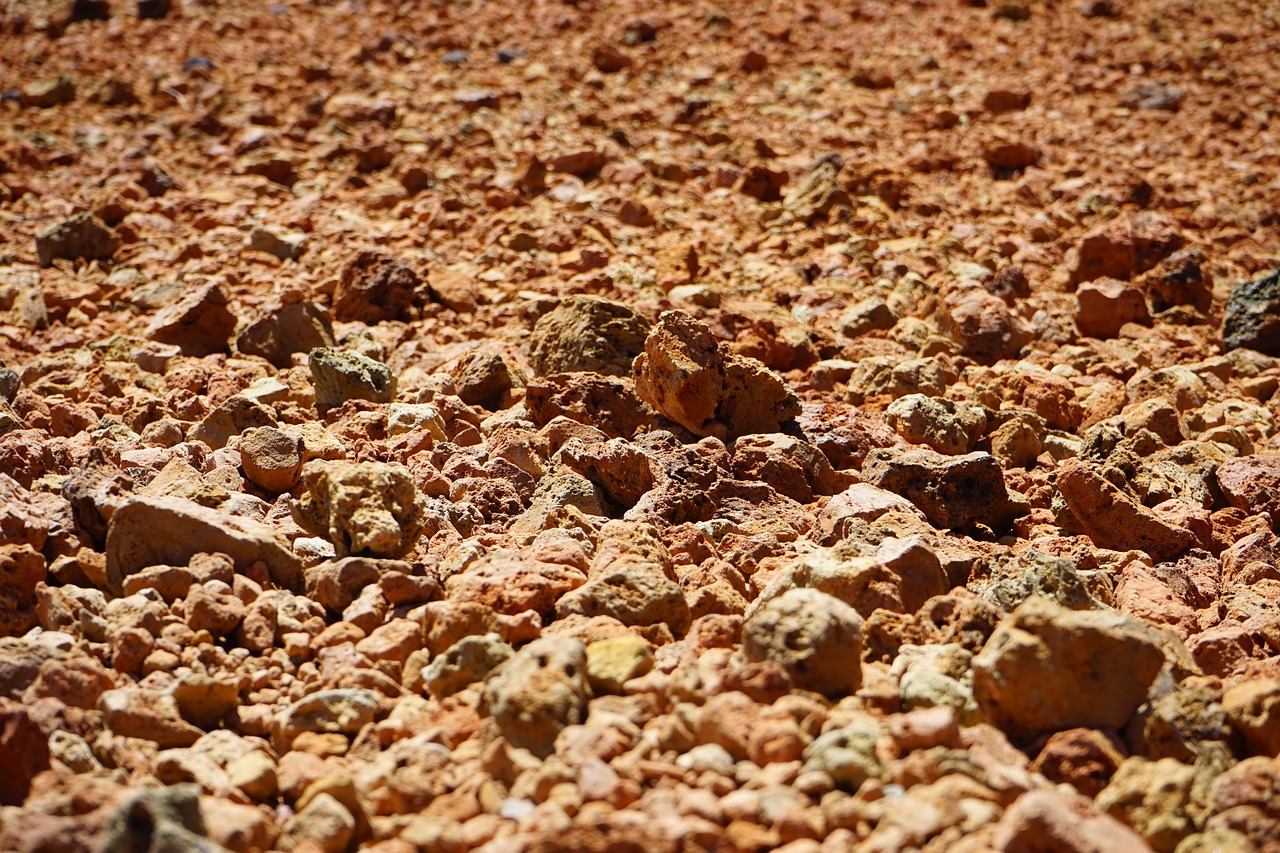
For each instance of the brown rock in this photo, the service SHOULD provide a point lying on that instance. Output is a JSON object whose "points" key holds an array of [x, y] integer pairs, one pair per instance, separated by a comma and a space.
{"points": [[375, 287], [24, 752], [1253, 707], [695, 380], [1050, 821], [82, 236], [200, 324], [538, 692], [22, 568], [953, 491], [369, 508], [1111, 519], [815, 637], [284, 330], [1042, 637], [584, 333], [1104, 305], [1085, 759], [271, 458], [1252, 483]]}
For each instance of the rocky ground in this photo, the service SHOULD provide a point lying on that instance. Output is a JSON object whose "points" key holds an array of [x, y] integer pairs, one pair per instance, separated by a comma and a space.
{"points": [[639, 426]]}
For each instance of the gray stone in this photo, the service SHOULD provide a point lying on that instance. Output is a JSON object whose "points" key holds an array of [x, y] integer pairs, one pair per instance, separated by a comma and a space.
{"points": [[467, 661], [1252, 316], [538, 692], [585, 333], [340, 375]]}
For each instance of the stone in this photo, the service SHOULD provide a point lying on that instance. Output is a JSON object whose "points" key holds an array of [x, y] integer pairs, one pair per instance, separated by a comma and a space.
{"points": [[341, 375], [324, 824], [219, 613], [374, 287], [232, 416], [147, 715], [793, 467], [585, 333], [614, 661], [944, 425], [1106, 304], [538, 692], [280, 331], [50, 92], [1156, 798], [161, 819], [1085, 759], [205, 701], [983, 326], [862, 502], [1102, 664], [404, 418], [200, 323], [255, 774], [1252, 483], [271, 458], [165, 531], [24, 752], [340, 710], [847, 754], [1113, 520], [1124, 247], [633, 592], [22, 569], [1253, 707], [285, 245], [954, 492], [363, 508], [466, 662], [815, 637], [1051, 821], [698, 382], [82, 236]]}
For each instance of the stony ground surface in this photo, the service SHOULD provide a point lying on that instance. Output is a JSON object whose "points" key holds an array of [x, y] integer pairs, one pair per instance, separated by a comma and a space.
{"points": [[639, 426]]}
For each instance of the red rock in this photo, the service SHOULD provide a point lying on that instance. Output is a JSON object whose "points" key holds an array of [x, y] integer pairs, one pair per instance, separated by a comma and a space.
{"points": [[1104, 305], [24, 752]]}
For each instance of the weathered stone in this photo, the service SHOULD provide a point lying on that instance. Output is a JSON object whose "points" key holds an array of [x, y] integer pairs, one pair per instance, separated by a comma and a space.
{"points": [[585, 333], [284, 330], [954, 492], [1102, 665], [614, 661], [375, 287], [538, 692], [161, 819], [147, 715], [24, 752], [467, 661], [200, 323], [82, 236], [369, 508], [815, 637], [1252, 316], [341, 375], [1111, 519], [148, 531]]}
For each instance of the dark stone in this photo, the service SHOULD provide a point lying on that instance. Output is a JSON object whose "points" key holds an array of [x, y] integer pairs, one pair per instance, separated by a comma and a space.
{"points": [[1252, 317]]}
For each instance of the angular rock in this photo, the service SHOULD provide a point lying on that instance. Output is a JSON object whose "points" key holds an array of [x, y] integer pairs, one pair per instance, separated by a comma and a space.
{"points": [[82, 236], [341, 375], [614, 661], [1102, 666], [271, 458], [147, 715], [1252, 483], [200, 323], [954, 492], [1157, 798], [1111, 519], [1105, 304], [375, 287], [633, 592], [363, 508], [1050, 821], [343, 711], [283, 330], [698, 382], [1253, 707], [233, 416], [161, 819], [815, 637], [156, 531], [585, 333], [24, 752], [22, 569], [944, 425], [538, 692]]}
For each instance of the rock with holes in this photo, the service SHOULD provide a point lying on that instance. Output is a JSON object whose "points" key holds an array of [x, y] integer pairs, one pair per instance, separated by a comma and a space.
{"points": [[363, 508], [538, 692], [815, 637]]}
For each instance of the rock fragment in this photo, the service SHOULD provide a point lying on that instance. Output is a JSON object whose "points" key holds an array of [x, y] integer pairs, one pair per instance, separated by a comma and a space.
{"points": [[1252, 316], [538, 692], [82, 236], [585, 333], [200, 323], [341, 375], [375, 287], [370, 508], [815, 637]]}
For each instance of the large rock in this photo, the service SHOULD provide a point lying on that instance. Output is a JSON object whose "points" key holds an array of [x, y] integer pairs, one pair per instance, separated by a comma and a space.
{"points": [[539, 692], [24, 752], [339, 711], [1123, 247], [163, 820], [134, 712], [155, 531], [200, 323], [585, 333], [282, 330], [375, 287], [1105, 305], [82, 236], [341, 375], [632, 591], [698, 382], [954, 492], [1047, 668], [1252, 316], [1113, 520], [1052, 821], [815, 637], [948, 427], [1252, 483], [363, 508], [22, 568]]}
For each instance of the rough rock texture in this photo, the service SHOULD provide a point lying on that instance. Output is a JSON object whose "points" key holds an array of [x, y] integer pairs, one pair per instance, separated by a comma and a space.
{"points": [[368, 508], [815, 637], [375, 287], [952, 491], [1252, 316], [81, 236], [689, 376], [1113, 520], [538, 692], [584, 333], [340, 375], [1102, 664]]}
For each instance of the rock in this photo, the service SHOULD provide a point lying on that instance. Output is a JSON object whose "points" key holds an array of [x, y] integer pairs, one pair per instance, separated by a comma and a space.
{"points": [[1050, 821], [1180, 280], [698, 382], [369, 508], [608, 403], [82, 236], [1086, 759], [1157, 798], [954, 492], [584, 333], [161, 819], [147, 715], [155, 531], [612, 662], [847, 754], [1040, 636], [1123, 247], [205, 701], [406, 417], [324, 824], [861, 502], [944, 425], [22, 569], [233, 415], [285, 245], [1252, 483], [216, 612], [817, 192], [633, 592], [1105, 304], [486, 379], [341, 375], [271, 458], [466, 662], [24, 752], [255, 774], [342, 710], [538, 692], [983, 327], [281, 331], [48, 93], [1111, 519], [375, 287], [622, 472], [815, 637], [793, 467], [1253, 707], [200, 323]]}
